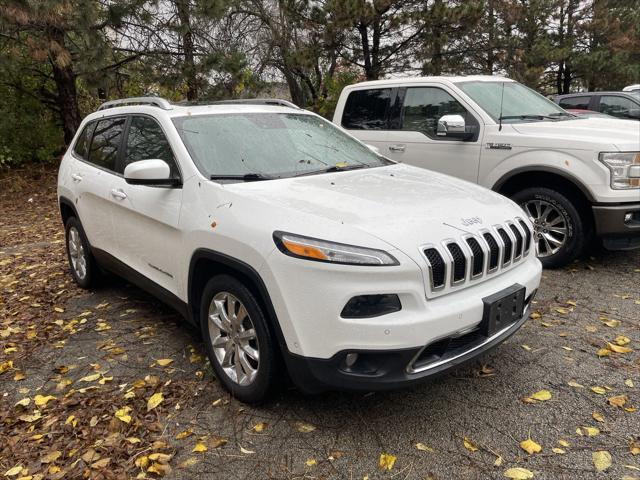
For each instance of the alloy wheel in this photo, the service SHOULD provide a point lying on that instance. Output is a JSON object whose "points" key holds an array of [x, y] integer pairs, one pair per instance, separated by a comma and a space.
{"points": [[233, 338], [549, 226], [77, 254]]}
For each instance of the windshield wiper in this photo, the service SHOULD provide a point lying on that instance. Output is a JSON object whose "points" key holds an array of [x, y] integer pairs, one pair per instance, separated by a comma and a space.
{"points": [[334, 168], [562, 114], [526, 117], [247, 177]]}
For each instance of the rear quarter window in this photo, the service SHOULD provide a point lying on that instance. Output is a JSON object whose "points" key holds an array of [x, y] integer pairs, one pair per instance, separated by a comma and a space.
{"points": [[578, 103], [81, 148], [367, 109]]}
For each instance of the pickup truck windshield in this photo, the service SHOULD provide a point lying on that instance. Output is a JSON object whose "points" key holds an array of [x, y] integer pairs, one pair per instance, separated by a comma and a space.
{"points": [[264, 146], [519, 104]]}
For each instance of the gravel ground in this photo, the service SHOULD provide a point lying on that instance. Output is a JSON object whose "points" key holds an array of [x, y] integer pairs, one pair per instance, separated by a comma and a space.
{"points": [[339, 435]]}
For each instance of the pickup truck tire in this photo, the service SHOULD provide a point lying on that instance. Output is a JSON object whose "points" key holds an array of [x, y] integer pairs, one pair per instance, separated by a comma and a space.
{"points": [[83, 266], [239, 344], [559, 229]]}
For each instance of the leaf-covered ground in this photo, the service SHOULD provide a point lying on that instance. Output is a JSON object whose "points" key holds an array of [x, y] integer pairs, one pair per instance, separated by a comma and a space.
{"points": [[111, 384]]}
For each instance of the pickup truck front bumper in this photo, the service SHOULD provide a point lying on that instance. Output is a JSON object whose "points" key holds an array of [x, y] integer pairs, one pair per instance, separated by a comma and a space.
{"points": [[618, 225]]}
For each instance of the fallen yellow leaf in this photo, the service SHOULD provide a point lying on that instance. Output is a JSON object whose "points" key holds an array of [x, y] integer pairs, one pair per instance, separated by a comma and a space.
{"points": [[574, 384], [24, 402], [304, 427], [559, 451], [563, 443], [597, 417], [122, 414], [184, 434], [90, 378], [617, 401], [629, 383], [163, 362], [310, 462], [518, 473], [41, 400], [12, 472], [154, 400], [541, 396], [621, 340], [601, 460], [530, 446], [199, 448], [259, 427], [603, 352], [51, 456], [468, 444], [424, 448], [618, 348], [634, 447], [7, 365], [386, 461], [598, 390]]}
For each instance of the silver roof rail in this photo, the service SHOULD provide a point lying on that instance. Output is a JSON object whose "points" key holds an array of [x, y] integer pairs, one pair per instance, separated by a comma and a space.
{"points": [[258, 101], [154, 101]]}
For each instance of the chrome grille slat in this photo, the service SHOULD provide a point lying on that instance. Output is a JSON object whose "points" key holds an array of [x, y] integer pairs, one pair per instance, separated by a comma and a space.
{"points": [[456, 262]]}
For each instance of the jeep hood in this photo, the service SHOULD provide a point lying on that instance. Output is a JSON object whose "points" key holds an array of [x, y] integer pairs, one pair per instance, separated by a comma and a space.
{"points": [[404, 206], [600, 133]]}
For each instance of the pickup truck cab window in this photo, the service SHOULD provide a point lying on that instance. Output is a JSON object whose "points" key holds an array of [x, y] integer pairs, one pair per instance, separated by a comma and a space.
{"points": [[618, 106], [367, 109]]}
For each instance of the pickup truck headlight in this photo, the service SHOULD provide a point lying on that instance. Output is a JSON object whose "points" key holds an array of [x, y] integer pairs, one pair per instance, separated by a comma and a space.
{"points": [[325, 251], [624, 168]]}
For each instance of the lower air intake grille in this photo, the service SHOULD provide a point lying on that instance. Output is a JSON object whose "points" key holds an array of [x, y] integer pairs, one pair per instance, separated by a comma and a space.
{"points": [[494, 249], [508, 246], [438, 270], [478, 256], [459, 262]]}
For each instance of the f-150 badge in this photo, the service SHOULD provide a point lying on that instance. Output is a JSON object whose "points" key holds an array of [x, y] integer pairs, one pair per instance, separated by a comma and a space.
{"points": [[498, 146]]}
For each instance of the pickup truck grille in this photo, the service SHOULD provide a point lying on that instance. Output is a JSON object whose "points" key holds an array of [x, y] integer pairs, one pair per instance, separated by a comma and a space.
{"points": [[461, 261]]}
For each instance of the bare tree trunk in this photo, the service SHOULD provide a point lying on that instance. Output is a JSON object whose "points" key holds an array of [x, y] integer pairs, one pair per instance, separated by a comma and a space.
{"points": [[189, 67], [67, 96]]}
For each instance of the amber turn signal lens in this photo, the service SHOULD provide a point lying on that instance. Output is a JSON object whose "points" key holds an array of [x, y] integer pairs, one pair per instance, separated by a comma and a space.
{"points": [[304, 250]]}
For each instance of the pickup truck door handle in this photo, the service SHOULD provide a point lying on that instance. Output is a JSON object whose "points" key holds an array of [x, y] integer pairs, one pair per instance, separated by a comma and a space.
{"points": [[76, 177], [119, 194], [397, 148]]}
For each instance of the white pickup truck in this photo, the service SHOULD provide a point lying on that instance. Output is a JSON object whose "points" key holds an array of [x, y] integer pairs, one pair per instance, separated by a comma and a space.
{"points": [[577, 178]]}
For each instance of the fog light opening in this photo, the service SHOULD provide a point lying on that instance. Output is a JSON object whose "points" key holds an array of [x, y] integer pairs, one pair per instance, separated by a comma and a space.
{"points": [[350, 359]]}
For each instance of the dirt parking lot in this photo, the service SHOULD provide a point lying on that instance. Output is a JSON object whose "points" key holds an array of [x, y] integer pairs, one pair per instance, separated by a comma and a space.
{"points": [[118, 386]]}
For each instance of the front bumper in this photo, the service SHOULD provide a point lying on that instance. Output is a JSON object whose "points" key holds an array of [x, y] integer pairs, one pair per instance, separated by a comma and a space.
{"points": [[616, 232], [392, 369]]}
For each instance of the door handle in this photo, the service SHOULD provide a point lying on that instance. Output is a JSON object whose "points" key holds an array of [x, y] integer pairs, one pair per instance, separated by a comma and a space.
{"points": [[397, 148], [119, 194], [76, 177]]}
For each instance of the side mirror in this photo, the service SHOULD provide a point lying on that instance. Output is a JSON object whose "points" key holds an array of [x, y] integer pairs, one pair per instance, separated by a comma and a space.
{"points": [[149, 172], [452, 126]]}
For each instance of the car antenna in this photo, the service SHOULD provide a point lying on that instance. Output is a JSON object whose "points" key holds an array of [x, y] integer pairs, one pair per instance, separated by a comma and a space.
{"points": [[501, 103]]}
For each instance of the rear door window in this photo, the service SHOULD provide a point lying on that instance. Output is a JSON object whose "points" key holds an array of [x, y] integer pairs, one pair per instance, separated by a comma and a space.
{"points": [[105, 145], [619, 106], [576, 103], [367, 109]]}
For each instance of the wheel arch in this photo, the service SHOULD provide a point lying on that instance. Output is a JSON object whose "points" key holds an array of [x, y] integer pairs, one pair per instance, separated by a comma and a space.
{"points": [[547, 177], [207, 263], [67, 210]]}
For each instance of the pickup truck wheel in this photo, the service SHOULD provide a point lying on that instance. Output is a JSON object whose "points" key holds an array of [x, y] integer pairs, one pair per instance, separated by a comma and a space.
{"points": [[83, 266], [237, 339], [559, 230]]}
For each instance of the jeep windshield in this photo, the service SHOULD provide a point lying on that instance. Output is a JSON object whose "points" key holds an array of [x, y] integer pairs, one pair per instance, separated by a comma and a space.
{"points": [[240, 147], [513, 102]]}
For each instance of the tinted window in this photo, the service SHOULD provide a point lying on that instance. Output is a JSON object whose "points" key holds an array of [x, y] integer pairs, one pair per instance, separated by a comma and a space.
{"points": [[367, 109], [577, 103], [106, 142], [82, 144], [424, 106], [619, 107], [146, 141]]}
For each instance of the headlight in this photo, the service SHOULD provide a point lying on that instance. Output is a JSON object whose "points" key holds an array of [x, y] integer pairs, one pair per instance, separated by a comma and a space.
{"points": [[624, 167], [324, 251]]}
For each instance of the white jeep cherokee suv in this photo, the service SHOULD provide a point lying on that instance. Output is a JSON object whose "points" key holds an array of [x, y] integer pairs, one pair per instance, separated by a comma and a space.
{"points": [[291, 244], [576, 177]]}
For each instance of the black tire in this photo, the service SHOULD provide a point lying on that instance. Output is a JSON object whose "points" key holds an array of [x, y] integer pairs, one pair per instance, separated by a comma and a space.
{"points": [[576, 227], [265, 381], [91, 272]]}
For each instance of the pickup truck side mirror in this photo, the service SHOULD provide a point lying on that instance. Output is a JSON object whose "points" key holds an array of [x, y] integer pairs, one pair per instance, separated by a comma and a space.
{"points": [[150, 172], [454, 126]]}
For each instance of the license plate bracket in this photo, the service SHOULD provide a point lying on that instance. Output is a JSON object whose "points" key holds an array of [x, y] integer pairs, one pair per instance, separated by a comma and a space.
{"points": [[502, 309]]}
